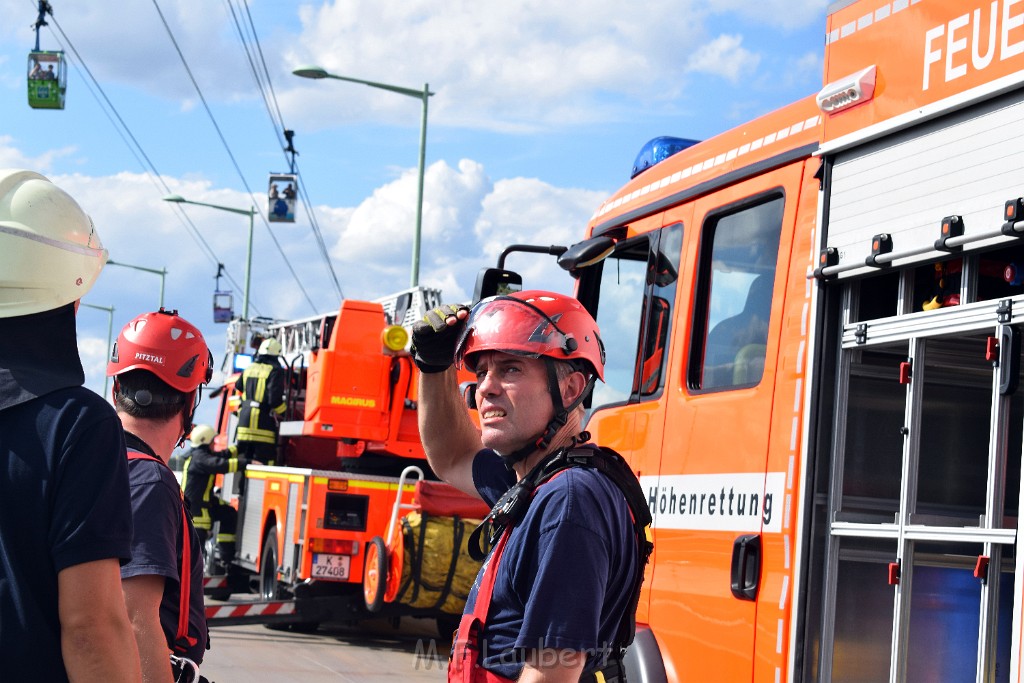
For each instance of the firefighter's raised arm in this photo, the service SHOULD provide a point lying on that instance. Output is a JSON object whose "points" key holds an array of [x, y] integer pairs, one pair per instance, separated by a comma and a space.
{"points": [[450, 438]]}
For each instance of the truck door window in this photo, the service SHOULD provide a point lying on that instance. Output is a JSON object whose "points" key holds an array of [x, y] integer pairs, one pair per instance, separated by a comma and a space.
{"points": [[662, 275], [622, 280], [739, 251], [637, 294]]}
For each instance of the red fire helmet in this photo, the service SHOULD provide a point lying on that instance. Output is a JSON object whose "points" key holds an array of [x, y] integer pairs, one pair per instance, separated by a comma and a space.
{"points": [[167, 345], [533, 323]]}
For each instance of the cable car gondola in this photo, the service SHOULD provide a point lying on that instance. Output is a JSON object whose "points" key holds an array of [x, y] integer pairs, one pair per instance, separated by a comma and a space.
{"points": [[281, 192], [223, 302], [283, 188], [47, 70]]}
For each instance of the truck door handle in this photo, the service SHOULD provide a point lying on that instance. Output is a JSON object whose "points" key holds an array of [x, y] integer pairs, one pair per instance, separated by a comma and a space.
{"points": [[746, 566], [1009, 359]]}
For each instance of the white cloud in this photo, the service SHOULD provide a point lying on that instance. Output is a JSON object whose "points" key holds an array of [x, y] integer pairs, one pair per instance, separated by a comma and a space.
{"points": [[467, 222], [530, 211], [11, 157], [505, 66], [94, 351], [724, 56], [517, 66], [376, 244]]}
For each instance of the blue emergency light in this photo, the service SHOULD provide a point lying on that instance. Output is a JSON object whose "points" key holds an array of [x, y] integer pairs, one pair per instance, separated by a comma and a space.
{"points": [[657, 150], [241, 361]]}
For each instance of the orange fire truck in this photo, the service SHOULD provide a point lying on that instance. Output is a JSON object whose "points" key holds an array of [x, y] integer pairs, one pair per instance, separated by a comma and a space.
{"points": [[346, 522], [813, 325]]}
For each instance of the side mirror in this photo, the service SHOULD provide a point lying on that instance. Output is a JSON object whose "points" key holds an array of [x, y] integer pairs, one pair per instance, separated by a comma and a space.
{"points": [[586, 253], [468, 391], [494, 281]]}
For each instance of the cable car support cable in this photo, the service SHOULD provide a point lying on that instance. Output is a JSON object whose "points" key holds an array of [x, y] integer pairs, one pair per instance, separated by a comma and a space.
{"points": [[231, 155], [261, 74], [125, 132]]}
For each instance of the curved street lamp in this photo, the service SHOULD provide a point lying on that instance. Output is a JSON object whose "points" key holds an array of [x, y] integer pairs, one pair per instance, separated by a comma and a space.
{"points": [[316, 73], [178, 199], [162, 273]]}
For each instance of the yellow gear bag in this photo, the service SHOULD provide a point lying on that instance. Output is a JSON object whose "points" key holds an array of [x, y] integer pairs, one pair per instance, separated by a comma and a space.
{"points": [[437, 571]]}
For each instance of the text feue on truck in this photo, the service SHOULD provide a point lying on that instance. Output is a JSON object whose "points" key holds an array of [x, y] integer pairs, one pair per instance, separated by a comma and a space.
{"points": [[813, 328], [349, 521]]}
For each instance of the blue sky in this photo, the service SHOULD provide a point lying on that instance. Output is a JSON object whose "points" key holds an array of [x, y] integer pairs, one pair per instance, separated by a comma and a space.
{"points": [[539, 111]]}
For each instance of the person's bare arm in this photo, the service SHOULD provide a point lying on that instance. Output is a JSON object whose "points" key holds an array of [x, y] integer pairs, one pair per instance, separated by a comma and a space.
{"points": [[142, 595], [95, 635], [553, 666], [450, 438]]}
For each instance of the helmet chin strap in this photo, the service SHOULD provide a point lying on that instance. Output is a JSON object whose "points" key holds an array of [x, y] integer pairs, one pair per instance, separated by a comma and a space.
{"points": [[186, 418], [560, 418]]}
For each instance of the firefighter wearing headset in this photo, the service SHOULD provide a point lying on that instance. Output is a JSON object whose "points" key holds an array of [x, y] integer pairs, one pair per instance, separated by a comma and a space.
{"points": [[262, 405], [202, 465], [556, 598], [159, 363], [65, 513]]}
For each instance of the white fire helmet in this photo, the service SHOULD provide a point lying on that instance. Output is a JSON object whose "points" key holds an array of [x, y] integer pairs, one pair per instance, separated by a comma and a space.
{"points": [[202, 435], [270, 347], [50, 253]]}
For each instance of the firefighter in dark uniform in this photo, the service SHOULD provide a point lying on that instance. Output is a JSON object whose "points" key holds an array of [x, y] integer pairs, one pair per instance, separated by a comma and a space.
{"points": [[262, 385], [202, 465], [159, 365]]}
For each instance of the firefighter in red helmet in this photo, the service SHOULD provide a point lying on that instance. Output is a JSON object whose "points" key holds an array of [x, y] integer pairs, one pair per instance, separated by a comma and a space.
{"points": [[159, 363], [567, 533]]}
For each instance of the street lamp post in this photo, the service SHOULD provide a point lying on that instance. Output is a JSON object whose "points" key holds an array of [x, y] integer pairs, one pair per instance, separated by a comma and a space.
{"points": [[162, 273], [250, 212], [110, 334], [316, 72]]}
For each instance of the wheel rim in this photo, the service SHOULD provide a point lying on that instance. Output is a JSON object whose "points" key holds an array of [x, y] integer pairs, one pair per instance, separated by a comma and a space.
{"points": [[209, 548], [372, 580], [375, 574]]}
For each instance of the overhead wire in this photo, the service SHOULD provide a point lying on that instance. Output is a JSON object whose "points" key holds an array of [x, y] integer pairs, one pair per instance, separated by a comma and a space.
{"points": [[265, 85], [231, 155], [304, 196], [134, 146], [154, 175]]}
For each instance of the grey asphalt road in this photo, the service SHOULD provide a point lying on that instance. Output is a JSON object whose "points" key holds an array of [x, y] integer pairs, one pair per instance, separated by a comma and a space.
{"points": [[368, 652]]}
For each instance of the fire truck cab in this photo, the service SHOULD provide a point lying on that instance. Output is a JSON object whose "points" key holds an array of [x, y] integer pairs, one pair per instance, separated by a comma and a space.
{"points": [[813, 327], [316, 524]]}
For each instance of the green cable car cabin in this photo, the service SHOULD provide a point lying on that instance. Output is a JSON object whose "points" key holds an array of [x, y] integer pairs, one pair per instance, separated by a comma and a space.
{"points": [[47, 79]]}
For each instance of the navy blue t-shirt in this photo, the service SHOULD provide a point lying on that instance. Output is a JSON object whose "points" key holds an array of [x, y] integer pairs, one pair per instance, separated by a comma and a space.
{"points": [[156, 503], [63, 502], [565, 578]]}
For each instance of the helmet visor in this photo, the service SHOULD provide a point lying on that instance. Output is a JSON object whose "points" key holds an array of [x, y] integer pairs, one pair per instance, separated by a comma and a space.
{"points": [[510, 325]]}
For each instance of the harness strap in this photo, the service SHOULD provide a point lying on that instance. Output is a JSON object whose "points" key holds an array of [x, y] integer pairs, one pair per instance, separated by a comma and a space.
{"points": [[468, 635], [483, 596], [185, 573], [612, 465], [511, 507]]}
